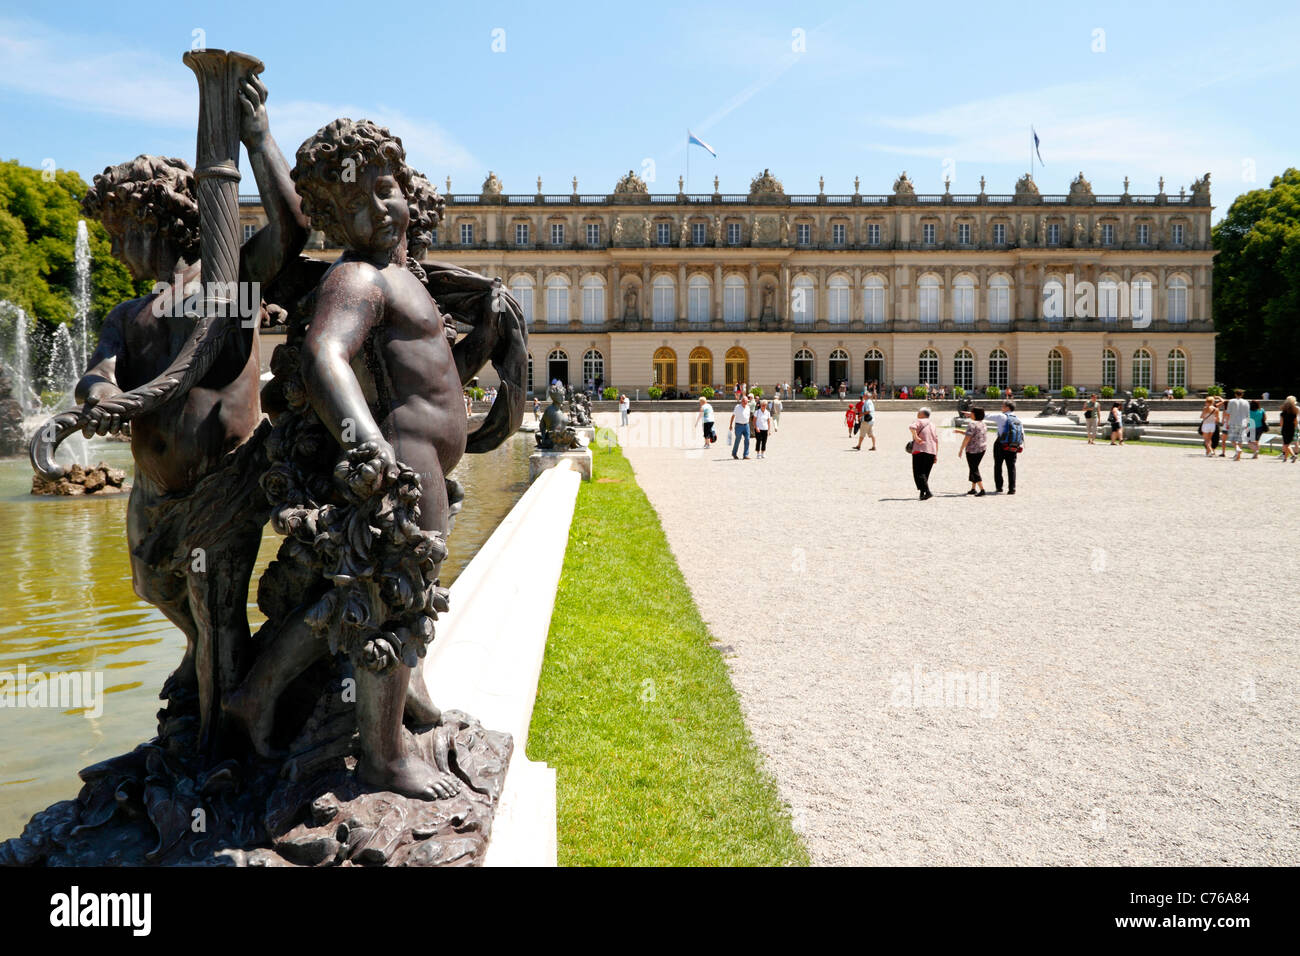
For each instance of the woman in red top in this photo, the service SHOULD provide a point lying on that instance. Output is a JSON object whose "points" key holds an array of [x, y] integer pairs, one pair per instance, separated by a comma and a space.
{"points": [[851, 418]]}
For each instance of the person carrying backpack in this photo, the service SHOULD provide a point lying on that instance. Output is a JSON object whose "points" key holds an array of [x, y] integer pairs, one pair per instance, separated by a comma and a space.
{"points": [[1009, 444]]}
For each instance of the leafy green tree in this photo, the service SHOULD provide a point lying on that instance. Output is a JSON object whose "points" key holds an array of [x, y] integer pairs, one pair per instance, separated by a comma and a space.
{"points": [[38, 237], [1257, 287]]}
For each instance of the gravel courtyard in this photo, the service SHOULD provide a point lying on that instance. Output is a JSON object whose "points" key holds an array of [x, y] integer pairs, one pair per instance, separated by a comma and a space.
{"points": [[1099, 670]]}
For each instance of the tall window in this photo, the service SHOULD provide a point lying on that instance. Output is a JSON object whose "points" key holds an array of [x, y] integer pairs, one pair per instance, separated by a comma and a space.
{"points": [[837, 234], [999, 233], [1140, 301], [873, 233], [697, 300], [1054, 234], [927, 369], [1142, 369], [467, 234], [250, 230], [963, 369], [733, 233], [557, 233], [557, 300], [665, 367], [1143, 233], [837, 305], [557, 367], [999, 299], [927, 299], [1176, 234], [873, 366], [1108, 300], [803, 300], [664, 233], [698, 233], [1110, 368], [963, 233], [963, 300], [664, 307], [701, 373], [1177, 299], [1053, 299], [1176, 371], [873, 300], [593, 300], [530, 371], [593, 233], [804, 365], [1107, 234], [999, 368], [736, 366], [803, 234], [839, 367], [733, 300], [927, 233], [1055, 370], [593, 366], [521, 287], [521, 234]]}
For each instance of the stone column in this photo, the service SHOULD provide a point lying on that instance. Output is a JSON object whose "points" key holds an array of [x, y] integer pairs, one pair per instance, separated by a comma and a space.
{"points": [[753, 296], [681, 292], [614, 300], [715, 312]]}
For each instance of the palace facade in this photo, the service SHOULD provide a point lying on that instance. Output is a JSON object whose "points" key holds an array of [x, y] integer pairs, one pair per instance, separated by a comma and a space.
{"points": [[684, 290]]}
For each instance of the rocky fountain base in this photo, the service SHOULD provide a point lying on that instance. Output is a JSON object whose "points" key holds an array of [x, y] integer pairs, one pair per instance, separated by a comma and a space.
{"points": [[99, 480]]}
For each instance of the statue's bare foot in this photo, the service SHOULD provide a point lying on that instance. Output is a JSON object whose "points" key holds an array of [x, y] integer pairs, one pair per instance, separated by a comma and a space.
{"points": [[420, 709], [256, 721], [411, 777]]}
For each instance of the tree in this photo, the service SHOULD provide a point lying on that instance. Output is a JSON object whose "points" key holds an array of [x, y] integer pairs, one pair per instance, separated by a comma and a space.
{"points": [[1257, 287], [38, 237]]}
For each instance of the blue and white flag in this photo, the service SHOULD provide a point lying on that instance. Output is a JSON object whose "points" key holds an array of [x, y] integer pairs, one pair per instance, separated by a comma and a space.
{"points": [[692, 139], [1040, 155]]}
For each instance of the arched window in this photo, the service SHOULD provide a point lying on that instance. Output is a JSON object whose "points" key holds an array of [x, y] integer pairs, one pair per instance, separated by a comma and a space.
{"points": [[873, 300], [737, 367], [664, 307], [593, 300], [927, 299], [803, 300], [1108, 300], [873, 367], [999, 368], [665, 366], [927, 369], [839, 368], [697, 300], [1140, 301], [1055, 370], [999, 299], [521, 287], [963, 300], [733, 300], [1142, 369], [837, 306], [963, 369], [557, 300], [804, 366], [701, 372], [1178, 299], [1176, 370], [593, 367], [557, 367], [1053, 300], [1110, 368]]}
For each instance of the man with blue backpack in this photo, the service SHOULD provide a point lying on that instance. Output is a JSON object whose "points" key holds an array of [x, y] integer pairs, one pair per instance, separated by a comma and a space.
{"points": [[1010, 443]]}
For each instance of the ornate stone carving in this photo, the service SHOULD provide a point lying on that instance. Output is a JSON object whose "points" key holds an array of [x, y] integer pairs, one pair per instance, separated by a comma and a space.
{"points": [[491, 186], [765, 185], [631, 185], [1080, 233], [904, 191], [1201, 191], [1080, 191], [685, 233], [785, 231], [1096, 233], [717, 230], [764, 229], [1026, 231], [1027, 190]]}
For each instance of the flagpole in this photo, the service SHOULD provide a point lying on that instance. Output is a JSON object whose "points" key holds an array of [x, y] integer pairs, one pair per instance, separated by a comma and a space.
{"points": [[688, 161]]}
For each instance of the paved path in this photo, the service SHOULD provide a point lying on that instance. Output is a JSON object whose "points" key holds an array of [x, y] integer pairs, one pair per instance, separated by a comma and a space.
{"points": [[1134, 672]]}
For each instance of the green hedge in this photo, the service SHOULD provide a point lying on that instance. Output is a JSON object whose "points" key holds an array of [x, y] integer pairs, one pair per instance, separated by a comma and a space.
{"points": [[1107, 392], [1031, 391], [611, 394], [992, 392], [809, 392], [655, 392], [1069, 392], [1140, 392]]}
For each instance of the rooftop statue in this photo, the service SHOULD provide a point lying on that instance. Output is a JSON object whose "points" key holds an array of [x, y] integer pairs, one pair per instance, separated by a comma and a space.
{"points": [[631, 184], [765, 184], [1027, 190], [491, 186], [1081, 191], [904, 191]]}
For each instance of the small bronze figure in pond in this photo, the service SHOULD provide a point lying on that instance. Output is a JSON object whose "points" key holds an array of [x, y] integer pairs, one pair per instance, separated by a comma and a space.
{"points": [[555, 433]]}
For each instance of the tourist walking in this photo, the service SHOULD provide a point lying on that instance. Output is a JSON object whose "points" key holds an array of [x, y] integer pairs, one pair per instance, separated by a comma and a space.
{"points": [[1092, 417], [762, 425], [1006, 447], [924, 447], [1116, 422], [624, 404], [1287, 420], [1209, 424], [851, 419], [1238, 416], [776, 411], [739, 426], [973, 446], [1258, 426], [705, 416], [866, 422]]}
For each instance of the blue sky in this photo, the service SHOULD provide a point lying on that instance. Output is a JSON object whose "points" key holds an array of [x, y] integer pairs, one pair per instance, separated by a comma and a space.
{"points": [[595, 89]]}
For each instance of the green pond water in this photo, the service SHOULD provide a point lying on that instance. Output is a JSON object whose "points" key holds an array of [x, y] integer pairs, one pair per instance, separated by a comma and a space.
{"points": [[66, 604]]}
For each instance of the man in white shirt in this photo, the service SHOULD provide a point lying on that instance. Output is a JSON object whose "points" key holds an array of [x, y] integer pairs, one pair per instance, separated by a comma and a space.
{"points": [[866, 418], [624, 403], [740, 425], [1238, 421]]}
